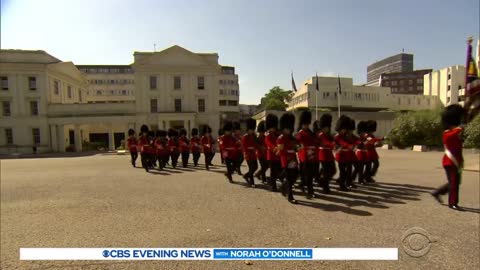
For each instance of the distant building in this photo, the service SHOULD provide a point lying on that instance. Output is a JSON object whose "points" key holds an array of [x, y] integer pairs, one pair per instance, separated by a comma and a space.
{"points": [[447, 83], [410, 83], [402, 62]]}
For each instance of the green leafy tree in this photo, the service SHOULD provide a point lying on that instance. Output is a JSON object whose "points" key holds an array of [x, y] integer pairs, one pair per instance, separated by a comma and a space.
{"points": [[472, 134], [276, 99]]}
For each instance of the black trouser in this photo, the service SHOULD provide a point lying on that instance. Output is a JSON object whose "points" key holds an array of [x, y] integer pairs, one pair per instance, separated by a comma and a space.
{"points": [[145, 162], [359, 169], [221, 158], [309, 170], [375, 165], [345, 178], [275, 171], [263, 168], [134, 156], [208, 159], [452, 187], [185, 156], [174, 157], [238, 163], [302, 174], [196, 157], [161, 162], [230, 163], [290, 178], [328, 171], [252, 167]]}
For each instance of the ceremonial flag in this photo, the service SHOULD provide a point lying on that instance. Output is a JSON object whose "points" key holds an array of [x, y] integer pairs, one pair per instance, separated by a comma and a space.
{"points": [[471, 73], [294, 87], [339, 87], [316, 83]]}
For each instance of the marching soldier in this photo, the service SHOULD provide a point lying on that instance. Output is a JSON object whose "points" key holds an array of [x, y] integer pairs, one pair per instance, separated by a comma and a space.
{"points": [[262, 153], [207, 146], [286, 148], [237, 133], [162, 149], [271, 124], [361, 153], [195, 146], [228, 144], [342, 156], [152, 159], [453, 159], [173, 146], [352, 158], [249, 144], [307, 153], [144, 144], [220, 134], [132, 146], [372, 155], [183, 143], [325, 152]]}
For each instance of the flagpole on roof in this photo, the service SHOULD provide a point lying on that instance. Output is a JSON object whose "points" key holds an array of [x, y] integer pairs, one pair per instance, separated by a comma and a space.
{"points": [[339, 92], [316, 96]]}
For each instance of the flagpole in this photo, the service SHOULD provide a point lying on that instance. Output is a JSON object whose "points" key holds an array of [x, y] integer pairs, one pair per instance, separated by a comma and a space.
{"points": [[316, 105], [338, 95]]}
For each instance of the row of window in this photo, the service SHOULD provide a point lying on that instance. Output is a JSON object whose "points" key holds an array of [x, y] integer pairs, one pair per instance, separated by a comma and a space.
{"points": [[117, 81], [7, 111], [459, 99], [399, 100], [333, 95], [449, 87], [225, 92], [228, 103], [56, 90], [111, 92], [178, 105], [228, 82], [410, 82], [406, 89], [107, 70], [35, 135], [177, 82], [32, 83]]}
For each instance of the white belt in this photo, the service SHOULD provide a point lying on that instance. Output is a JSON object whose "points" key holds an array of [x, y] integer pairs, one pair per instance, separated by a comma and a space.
{"points": [[290, 151], [324, 148], [250, 147], [451, 157]]}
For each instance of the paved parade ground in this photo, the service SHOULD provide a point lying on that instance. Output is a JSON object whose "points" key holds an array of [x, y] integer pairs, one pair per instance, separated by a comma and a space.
{"points": [[101, 201]]}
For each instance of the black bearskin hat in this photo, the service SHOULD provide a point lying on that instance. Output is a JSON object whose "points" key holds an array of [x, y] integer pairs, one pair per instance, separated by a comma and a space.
{"points": [[144, 129], [161, 133], [371, 126], [271, 121], [316, 126], [261, 126], [194, 131], [151, 133], [342, 123], [228, 126], [220, 132], [251, 124], [206, 129], [287, 121], [183, 132], [326, 120], [131, 132], [305, 118], [236, 125], [172, 132], [452, 116], [361, 127], [351, 124]]}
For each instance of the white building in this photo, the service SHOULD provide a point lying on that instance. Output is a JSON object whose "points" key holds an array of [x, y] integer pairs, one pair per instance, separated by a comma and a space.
{"points": [[448, 84]]}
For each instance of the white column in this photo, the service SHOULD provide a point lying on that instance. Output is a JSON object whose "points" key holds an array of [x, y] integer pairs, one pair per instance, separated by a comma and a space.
{"points": [[53, 138], [111, 138], [77, 138], [61, 138]]}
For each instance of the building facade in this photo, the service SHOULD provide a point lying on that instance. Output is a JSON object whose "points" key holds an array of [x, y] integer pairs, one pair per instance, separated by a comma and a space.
{"points": [[401, 62], [54, 106], [448, 84], [410, 83]]}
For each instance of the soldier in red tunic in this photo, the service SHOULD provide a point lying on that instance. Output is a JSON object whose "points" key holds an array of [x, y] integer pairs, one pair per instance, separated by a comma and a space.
{"points": [[286, 148], [183, 143], [452, 161], [325, 152], [342, 156], [249, 144], [207, 146], [271, 124], [307, 152], [152, 159], [195, 146], [173, 146], [237, 133], [132, 146], [361, 153], [144, 144], [161, 148], [372, 155], [262, 153], [352, 158], [220, 134], [228, 144]]}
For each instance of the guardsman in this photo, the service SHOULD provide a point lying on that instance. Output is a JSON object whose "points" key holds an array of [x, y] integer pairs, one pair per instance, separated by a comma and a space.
{"points": [[195, 146], [132, 146], [173, 146], [262, 153], [361, 153], [161, 148], [250, 146], [183, 144], [207, 146], [342, 156], [144, 144], [228, 144], [220, 134], [354, 141], [452, 160], [152, 159], [372, 155], [271, 124], [307, 153], [237, 133], [286, 148], [325, 152]]}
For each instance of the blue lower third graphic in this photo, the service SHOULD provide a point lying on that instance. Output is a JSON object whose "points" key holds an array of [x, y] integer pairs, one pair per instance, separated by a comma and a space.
{"points": [[263, 253]]}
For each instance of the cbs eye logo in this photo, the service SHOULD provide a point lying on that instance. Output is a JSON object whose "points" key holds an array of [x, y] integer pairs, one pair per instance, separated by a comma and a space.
{"points": [[416, 242]]}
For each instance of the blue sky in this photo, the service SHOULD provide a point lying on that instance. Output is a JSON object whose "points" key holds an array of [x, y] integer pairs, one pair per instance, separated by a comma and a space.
{"points": [[264, 39]]}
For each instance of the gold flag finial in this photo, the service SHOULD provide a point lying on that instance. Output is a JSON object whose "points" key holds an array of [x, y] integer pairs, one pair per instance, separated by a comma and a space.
{"points": [[470, 39]]}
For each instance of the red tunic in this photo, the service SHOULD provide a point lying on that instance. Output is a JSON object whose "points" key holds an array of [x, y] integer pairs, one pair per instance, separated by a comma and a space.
{"points": [[355, 141], [288, 157], [327, 144], [144, 145], [239, 146], [309, 148], [195, 144], [207, 144], [370, 145], [361, 151], [342, 155], [452, 142], [228, 144], [262, 147], [132, 144], [183, 144], [161, 147], [271, 143], [172, 146], [249, 143]]}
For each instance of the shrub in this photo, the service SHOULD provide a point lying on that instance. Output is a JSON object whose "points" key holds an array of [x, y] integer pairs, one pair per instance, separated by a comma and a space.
{"points": [[472, 134], [417, 128]]}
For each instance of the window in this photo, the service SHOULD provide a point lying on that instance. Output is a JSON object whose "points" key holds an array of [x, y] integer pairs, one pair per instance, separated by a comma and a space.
{"points": [[9, 136], [69, 91], [399, 101], [201, 105], [394, 83], [33, 107], [56, 87], [99, 93], [410, 82], [448, 87], [124, 92], [401, 82], [153, 82], [178, 105], [232, 103], [410, 88], [419, 80], [459, 87], [448, 99], [4, 80], [153, 106], [220, 92], [449, 76], [80, 95], [36, 135], [222, 103], [387, 83], [428, 102], [32, 83], [201, 83], [418, 101], [177, 82], [6, 108], [419, 88]]}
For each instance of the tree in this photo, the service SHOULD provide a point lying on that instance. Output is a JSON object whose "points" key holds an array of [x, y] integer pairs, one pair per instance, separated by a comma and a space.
{"points": [[276, 99], [472, 134]]}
